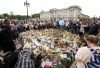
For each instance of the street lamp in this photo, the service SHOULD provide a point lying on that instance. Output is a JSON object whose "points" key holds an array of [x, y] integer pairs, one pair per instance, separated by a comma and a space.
{"points": [[27, 5], [94, 19]]}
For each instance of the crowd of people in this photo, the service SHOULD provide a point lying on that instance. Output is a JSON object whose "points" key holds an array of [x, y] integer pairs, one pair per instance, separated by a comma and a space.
{"points": [[84, 39], [72, 26]]}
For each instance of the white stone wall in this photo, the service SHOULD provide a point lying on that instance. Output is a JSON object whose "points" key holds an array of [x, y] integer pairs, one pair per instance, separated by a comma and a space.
{"points": [[45, 15]]}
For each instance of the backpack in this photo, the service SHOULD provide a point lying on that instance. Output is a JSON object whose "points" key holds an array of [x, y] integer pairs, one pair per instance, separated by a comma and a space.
{"points": [[94, 61]]}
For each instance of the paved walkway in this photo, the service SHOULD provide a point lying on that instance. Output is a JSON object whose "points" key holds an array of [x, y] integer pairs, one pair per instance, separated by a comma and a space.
{"points": [[73, 65], [58, 32]]}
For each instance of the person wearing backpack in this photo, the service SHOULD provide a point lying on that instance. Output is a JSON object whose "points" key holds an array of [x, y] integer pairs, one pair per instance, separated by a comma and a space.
{"points": [[89, 56]]}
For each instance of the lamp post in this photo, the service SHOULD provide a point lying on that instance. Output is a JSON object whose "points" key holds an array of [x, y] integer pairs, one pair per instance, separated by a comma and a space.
{"points": [[94, 19], [27, 5]]}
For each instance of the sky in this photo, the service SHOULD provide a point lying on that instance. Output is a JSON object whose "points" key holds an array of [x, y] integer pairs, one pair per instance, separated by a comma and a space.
{"points": [[89, 7]]}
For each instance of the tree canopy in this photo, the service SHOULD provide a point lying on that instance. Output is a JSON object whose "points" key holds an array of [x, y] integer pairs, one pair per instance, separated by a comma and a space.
{"points": [[35, 15], [19, 17]]}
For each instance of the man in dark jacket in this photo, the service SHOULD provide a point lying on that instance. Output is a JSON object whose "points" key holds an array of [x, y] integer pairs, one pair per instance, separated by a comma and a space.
{"points": [[6, 38], [94, 29], [74, 28]]}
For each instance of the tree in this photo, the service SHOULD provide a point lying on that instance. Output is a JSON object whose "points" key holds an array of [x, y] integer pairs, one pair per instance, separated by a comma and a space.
{"points": [[5, 15], [19, 17], [35, 15], [1, 17], [99, 17]]}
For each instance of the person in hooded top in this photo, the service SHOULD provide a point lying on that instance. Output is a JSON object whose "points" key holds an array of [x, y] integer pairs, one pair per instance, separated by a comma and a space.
{"points": [[25, 57], [84, 54]]}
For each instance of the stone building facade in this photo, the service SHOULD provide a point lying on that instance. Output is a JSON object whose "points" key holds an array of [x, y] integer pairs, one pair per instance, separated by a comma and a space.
{"points": [[70, 13]]}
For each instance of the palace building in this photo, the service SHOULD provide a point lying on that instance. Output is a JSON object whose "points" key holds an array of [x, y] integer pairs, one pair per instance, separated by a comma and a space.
{"points": [[70, 13]]}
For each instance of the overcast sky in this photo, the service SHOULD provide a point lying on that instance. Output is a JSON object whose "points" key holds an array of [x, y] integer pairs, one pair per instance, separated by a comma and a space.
{"points": [[89, 7]]}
